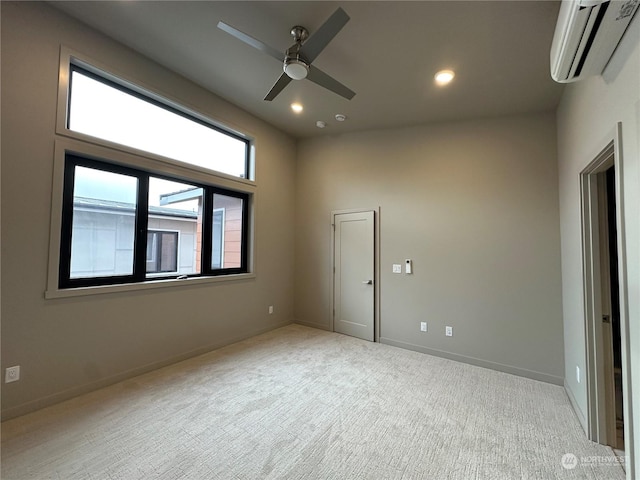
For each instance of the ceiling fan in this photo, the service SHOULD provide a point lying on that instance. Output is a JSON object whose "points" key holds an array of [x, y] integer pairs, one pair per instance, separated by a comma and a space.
{"points": [[298, 57]]}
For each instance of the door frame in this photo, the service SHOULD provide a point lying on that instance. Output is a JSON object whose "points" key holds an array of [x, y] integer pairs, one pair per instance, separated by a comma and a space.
{"points": [[590, 187], [376, 266]]}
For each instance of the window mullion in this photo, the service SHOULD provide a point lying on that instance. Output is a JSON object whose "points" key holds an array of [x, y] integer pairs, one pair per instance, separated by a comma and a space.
{"points": [[142, 222], [244, 259], [67, 222], [207, 229]]}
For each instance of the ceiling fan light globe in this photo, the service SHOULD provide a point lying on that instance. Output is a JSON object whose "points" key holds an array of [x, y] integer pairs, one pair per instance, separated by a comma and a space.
{"points": [[296, 69]]}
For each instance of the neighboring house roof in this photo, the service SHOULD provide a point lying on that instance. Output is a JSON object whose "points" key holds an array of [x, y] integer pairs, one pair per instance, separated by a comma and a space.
{"points": [[124, 207], [181, 196]]}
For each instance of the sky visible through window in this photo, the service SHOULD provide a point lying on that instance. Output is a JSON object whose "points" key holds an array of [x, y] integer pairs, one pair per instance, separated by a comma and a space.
{"points": [[101, 185], [102, 111]]}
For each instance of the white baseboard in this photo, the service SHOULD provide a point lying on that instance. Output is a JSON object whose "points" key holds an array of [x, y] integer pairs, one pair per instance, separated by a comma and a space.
{"points": [[576, 408], [522, 372], [319, 326]]}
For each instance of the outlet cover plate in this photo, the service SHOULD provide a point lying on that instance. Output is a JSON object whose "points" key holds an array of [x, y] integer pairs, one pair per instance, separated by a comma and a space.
{"points": [[448, 331], [12, 374]]}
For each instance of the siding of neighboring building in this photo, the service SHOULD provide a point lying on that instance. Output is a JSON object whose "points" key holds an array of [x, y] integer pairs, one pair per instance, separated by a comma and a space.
{"points": [[102, 240], [232, 229]]}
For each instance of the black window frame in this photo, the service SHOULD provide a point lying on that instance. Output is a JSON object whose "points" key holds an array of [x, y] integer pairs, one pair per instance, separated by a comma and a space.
{"points": [[141, 215], [138, 93]]}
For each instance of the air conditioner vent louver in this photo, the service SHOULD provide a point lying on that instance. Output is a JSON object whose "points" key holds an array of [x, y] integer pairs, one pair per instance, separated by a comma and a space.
{"points": [[590, 39], [587, 34]]}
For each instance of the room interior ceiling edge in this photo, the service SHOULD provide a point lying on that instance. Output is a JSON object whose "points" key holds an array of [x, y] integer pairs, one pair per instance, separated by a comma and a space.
{"points": [[363, 55]]}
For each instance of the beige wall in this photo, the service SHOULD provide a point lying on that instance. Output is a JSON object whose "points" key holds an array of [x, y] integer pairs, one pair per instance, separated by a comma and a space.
{"points": [[587, 116], [475, 205], [67, 346]]}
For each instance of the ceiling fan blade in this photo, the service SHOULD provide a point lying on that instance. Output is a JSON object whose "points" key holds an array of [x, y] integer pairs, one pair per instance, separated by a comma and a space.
{"points": [[319, 77], [282, 82], [249, 40], [321, 38]]}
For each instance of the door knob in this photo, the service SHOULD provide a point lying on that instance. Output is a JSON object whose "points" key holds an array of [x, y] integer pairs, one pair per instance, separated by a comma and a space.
{"points": [[368, 282]]}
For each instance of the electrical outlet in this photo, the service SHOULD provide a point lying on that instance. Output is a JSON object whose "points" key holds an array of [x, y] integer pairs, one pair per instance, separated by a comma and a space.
{"points": [[448, 331], [578, 373], [12, 374], [270, 309], [423, 326]]}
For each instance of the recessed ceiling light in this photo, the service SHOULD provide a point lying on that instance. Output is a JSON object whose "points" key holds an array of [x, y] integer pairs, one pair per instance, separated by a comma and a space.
{"points": [[340, 117], [443, 77], [296, 107], [321, 124]]}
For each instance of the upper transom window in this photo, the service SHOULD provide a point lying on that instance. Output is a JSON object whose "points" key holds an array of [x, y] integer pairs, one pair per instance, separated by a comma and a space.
{"points": [[111, 111]]}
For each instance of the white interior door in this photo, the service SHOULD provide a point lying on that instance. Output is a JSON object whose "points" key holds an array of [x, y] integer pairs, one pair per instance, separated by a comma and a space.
{"points": [[354, 274]]}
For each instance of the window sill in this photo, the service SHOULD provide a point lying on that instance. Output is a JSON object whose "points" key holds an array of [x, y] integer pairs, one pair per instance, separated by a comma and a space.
{"points": [[149, 285]]}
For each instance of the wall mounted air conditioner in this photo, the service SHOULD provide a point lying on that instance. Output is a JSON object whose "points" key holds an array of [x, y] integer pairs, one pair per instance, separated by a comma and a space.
{"points": [[587, 34]]}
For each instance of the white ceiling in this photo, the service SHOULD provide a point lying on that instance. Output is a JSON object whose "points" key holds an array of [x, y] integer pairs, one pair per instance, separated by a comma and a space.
{"points": [[387, 53]]}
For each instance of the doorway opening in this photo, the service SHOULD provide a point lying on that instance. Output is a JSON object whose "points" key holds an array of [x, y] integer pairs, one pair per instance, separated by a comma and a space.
{"points": [[605, 314], [611, 338]]}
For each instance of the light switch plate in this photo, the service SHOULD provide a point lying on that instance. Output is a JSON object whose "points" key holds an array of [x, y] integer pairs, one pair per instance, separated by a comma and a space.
{"points": [[397, 268]]}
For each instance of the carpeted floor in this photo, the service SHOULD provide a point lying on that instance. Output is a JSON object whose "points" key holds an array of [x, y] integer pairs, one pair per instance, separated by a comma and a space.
{"points": [[300, 403]]}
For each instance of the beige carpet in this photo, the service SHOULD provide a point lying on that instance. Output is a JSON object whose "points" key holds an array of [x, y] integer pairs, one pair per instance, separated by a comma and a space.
{"points": [[300, 403]]}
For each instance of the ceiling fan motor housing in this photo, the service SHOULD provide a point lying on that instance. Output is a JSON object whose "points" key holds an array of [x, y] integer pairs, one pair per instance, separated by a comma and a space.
{"points": [[295, 65]]}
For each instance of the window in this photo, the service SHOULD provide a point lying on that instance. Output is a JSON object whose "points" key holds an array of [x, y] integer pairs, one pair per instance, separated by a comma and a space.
{"points": [[177, 206], [162, 252], [228, 213], [112, 111], [146, 192], [126, 225], [103, 224]]}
